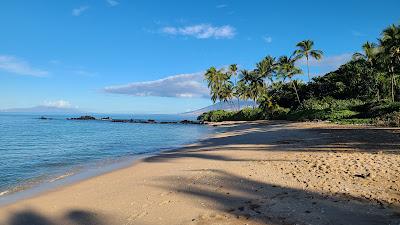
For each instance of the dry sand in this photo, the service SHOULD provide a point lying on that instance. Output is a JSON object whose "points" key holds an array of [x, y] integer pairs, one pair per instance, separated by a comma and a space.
{"points": [[249, 173]]}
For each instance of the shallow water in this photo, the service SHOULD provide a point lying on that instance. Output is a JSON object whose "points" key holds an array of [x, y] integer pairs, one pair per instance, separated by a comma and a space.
{"points": [[34, 151]]}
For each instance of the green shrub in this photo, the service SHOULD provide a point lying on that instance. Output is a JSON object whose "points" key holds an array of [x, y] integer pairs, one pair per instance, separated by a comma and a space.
{"points": [[340, 114], [216, 116], [247, 114], [330, 103]]}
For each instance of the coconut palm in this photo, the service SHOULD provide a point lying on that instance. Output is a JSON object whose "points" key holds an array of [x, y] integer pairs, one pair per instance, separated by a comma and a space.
{"points": [[306, 50], [211, 76], [288, 69], [390, 47], [370, 53], [266, 68], [233, 72], [254, 82]]}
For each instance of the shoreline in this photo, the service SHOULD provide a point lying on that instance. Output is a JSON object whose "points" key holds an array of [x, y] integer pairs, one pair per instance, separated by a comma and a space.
{"points": [[257, 172], [8, 197]]}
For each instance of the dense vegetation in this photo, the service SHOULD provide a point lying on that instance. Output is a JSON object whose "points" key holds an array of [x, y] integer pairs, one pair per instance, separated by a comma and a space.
{"points": [[364, 90]]}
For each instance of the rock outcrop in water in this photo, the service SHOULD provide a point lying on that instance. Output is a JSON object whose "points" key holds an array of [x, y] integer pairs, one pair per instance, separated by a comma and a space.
{"points": [[83, 118], [150, 121]]}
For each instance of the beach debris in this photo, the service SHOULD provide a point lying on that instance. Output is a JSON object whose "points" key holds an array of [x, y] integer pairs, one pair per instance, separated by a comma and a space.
{"points": [[362, 175]]}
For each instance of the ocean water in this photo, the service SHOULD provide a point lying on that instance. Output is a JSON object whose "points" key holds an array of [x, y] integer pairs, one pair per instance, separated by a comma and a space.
{"points": [[34, 151]]}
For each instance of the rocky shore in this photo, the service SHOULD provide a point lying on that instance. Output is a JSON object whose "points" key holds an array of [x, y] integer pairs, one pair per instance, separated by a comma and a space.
{"points": [[151, 121]]}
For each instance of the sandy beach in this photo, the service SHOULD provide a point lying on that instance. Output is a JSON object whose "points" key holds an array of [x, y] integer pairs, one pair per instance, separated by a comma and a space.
{"points": [[248, 173]]}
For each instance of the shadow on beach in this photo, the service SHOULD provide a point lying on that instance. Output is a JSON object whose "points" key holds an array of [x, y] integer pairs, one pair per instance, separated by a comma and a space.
{"points": [[73, 217], [244, 199], [240, 199], [270, 136]]}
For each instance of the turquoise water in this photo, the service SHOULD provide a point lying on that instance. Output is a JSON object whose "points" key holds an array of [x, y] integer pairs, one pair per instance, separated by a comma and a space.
{"points": [[34, 151]]}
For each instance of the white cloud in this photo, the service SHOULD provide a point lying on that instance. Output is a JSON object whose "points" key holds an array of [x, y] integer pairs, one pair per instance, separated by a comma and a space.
{"points": [[202, 31], [221, 6], [112, 2], [79, 11], [61, 104], [12, 64], [327, 63], [180, 86], [267, 39]]}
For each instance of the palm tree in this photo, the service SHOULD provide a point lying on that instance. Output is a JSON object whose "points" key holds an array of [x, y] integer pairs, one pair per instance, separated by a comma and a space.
{"points": [[266, 68], [370, 52], [390, 46], [243, 90], [254, 82], [211, 76], [233, 72], [306, 50], [287, 69]]}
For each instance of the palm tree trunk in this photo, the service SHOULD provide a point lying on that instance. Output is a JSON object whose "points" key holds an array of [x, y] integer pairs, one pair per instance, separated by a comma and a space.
{"points": [[392, 84], [295, 90], [378, 96], [393, 87], [308, 69]]}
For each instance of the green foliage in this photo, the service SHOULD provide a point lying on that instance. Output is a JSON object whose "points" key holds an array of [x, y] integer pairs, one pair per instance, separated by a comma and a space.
{"points": [[216, 116], [330, 103], [357, 92]]}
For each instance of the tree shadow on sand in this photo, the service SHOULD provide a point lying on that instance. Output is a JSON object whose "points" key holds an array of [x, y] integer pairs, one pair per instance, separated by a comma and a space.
{"points": [[72, 217], [284, 136], [243, 199]]}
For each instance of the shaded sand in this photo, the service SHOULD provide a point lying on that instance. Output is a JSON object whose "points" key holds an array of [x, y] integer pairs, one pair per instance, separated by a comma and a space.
{"points": [[249, 173]]}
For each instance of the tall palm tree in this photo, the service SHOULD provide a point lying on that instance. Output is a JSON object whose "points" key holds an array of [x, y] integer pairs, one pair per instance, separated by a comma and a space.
{"points": [[211, 76], [233, 71], [266, 68], [254, 82], [370, 53], [306, 50], [288, 69], [390, 46]]}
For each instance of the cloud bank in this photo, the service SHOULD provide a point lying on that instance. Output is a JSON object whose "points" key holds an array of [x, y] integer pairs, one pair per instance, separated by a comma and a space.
{"points": [[14, 65], [202, 31], [180, 86]]}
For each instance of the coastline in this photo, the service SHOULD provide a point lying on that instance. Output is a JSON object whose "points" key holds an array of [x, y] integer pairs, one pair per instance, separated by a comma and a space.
{"points": [[70, 177], [253, 172]]}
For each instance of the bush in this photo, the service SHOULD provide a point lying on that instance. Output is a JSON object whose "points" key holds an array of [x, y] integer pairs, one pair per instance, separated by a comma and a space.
{"points": [[247, 114], [330, 103], [216, 116]]}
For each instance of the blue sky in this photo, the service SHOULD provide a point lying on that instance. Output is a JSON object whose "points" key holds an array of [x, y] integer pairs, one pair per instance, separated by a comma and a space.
{"points": [[147, 56]]}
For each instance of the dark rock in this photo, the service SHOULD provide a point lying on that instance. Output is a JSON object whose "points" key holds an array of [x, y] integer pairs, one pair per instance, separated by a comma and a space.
{"points": [[83, 118], [189, 122], [44, 118]]}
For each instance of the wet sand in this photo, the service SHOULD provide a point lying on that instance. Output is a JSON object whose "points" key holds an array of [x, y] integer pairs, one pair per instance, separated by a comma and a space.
{"points": [[250, 173]]}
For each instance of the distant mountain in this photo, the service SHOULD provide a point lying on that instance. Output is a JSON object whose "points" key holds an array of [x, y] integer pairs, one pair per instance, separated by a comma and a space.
{"points": [[229, 106], [42, 110]]}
